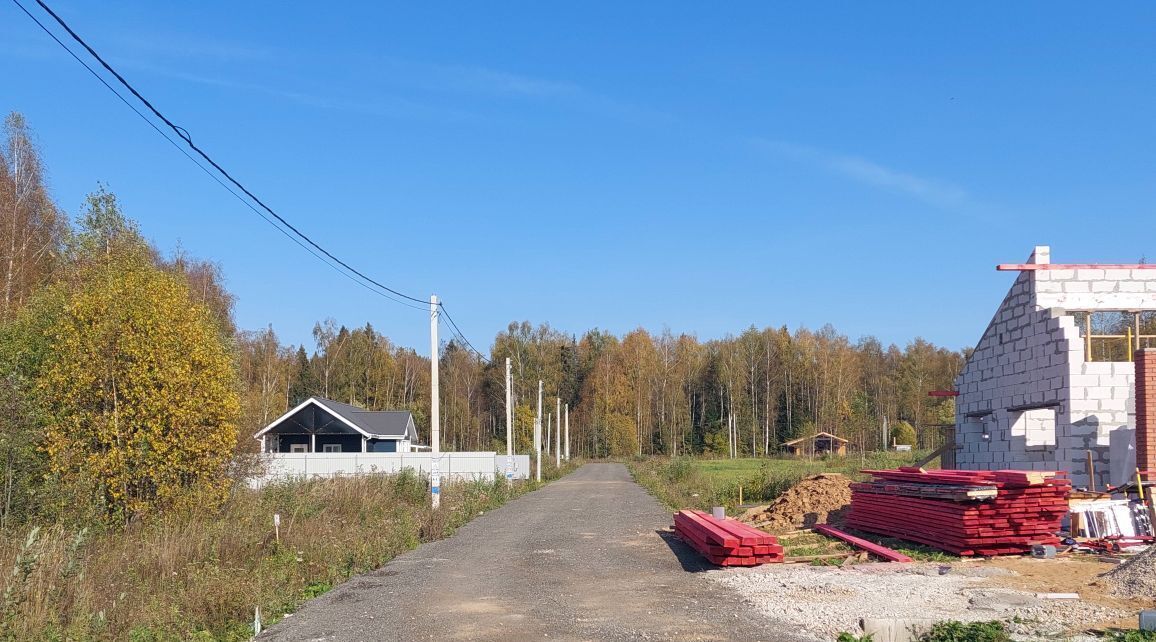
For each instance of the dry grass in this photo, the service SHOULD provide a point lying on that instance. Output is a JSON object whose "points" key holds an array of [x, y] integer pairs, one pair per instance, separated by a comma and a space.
{"points": [[200, 576]]}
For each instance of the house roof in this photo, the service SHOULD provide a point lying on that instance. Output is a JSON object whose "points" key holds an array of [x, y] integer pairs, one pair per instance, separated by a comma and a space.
{"points": [[813, 437], [381, 424]]}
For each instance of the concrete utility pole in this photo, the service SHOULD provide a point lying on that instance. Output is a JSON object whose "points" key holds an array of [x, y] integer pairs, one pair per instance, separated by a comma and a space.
{"points": [[558, 433], [538, 434], [567, 432], [509, 429], [434, 409], [549, 433]]}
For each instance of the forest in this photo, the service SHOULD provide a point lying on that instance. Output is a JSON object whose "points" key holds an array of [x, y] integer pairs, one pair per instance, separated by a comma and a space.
{"points": [[83, 296]]}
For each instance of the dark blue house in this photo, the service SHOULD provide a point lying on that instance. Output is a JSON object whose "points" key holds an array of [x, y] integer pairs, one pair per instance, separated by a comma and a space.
{"points": [[320, 425]]}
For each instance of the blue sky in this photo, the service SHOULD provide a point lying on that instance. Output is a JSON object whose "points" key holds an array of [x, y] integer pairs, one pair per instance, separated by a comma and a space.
{"points": [[658, 165]]}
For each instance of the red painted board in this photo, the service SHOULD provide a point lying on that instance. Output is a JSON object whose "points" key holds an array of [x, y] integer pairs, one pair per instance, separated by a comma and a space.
{"points": [[709, 549], [870, 547], [1025, 267], [711, 533]]}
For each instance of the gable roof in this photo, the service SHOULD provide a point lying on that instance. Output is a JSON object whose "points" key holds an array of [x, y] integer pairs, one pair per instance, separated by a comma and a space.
{"points": [[382, 424], [812, 437]]}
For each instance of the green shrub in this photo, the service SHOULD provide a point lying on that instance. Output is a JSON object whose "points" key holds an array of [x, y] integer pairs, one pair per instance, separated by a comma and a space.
{"points": [[903, 433], [679, 469], [953, 631], [1133, 636]]}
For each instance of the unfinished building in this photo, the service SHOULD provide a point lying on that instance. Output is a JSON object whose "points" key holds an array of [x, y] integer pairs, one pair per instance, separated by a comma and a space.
{"points": [[1051, 385]]}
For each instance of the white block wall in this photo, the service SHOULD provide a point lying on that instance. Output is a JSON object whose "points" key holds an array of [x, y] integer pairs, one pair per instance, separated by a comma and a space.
{"points": [[451, 465], [1028, 375]]}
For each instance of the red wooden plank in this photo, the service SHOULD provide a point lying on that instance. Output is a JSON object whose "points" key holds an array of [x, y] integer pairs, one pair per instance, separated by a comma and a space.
{"points": [[870, 547], [741, 551], [747, 535], [1026, 267], [712, 533]]}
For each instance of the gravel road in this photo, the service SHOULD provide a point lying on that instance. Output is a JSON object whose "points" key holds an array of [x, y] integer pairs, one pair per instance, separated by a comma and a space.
{"points": [[580, 559]]}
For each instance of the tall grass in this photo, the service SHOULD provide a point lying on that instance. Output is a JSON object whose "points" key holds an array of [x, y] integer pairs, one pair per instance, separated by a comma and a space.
{"points": [[200, 576]]}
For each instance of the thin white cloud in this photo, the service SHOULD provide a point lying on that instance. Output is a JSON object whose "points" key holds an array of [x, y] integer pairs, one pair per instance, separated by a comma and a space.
{"points": [[486, 81], [929, 190], [194, 47], [387, 107]]}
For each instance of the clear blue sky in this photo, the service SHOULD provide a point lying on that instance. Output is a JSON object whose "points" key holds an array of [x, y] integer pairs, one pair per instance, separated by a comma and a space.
{"points": [[616, 165]]}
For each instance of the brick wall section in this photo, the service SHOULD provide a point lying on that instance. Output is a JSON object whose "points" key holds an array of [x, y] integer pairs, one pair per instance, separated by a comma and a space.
{"points": [[1146, 409]]}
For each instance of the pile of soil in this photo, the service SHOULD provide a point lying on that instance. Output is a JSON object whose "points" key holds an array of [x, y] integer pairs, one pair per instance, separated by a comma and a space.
{"points": [[818, 499], [1134, 578]]}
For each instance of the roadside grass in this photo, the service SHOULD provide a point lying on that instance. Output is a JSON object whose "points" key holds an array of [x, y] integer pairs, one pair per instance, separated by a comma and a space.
{"points": [[200, 576]]}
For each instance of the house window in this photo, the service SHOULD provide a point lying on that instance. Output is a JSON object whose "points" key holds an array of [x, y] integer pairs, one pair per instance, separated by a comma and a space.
{"points": [[331, 448], [299, 448]]}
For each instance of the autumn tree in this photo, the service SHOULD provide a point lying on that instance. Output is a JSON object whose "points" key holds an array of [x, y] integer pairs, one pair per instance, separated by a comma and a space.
{"points": [[32, 229], [138, 385]]}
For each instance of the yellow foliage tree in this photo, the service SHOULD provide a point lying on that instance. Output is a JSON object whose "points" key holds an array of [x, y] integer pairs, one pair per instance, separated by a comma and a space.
{"points": [[621, 435], [141, 389]]}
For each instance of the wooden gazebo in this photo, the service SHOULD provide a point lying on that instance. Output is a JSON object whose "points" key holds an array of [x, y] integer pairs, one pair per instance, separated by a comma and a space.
{"points": [[820, 443]]}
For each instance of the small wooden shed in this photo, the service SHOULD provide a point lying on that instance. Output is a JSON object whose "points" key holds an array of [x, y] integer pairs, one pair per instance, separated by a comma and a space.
{"points": [[820, 443]]}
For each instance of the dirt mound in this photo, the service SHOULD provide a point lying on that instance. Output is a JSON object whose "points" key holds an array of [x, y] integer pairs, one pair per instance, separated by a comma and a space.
{"points": [[818, 499], [1134, 578]]}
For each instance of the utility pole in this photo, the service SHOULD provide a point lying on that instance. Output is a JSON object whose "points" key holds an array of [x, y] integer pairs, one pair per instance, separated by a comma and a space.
{"points": [[434, 414], [538, 434], [549, 433], [509, 429], [567, 432], [558, 433]]}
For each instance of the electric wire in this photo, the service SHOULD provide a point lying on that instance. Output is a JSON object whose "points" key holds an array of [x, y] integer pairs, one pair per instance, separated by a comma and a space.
{"points": [[185, 136], [296, 236], [204, 169], [462, 335]]}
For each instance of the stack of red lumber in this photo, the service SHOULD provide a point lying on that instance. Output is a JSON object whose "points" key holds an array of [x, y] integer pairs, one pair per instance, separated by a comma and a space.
{"points": [[961, 515], [726, 542]]}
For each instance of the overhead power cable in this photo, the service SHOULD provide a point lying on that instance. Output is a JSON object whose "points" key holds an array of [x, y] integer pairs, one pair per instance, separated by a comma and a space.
{"points": [[184, 135], [206, 170], [292, 233], [460, 334]]}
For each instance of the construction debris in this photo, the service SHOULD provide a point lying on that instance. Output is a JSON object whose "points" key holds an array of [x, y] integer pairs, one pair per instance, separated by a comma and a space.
{"points": [[817, 499], [1027, 510], [726, 542], [1134, 578]]}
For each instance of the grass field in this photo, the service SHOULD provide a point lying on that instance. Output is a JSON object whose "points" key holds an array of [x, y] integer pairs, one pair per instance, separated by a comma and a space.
{"points": [[702, 483]]}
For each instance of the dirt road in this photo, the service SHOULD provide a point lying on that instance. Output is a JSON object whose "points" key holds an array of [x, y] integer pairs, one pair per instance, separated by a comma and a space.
{"points": [[580, 559]]}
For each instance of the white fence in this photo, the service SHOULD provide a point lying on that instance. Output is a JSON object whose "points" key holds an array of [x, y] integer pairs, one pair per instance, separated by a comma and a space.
{"points": [[451, 465]]}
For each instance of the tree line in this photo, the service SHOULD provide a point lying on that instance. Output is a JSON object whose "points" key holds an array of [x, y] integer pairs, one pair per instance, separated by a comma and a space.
{"points": [[126, 386], [639, 394]]}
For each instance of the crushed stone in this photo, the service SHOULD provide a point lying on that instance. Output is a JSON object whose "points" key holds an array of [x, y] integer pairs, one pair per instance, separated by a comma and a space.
{"points": [[824, 601], [1135, 577], [818, 499]]}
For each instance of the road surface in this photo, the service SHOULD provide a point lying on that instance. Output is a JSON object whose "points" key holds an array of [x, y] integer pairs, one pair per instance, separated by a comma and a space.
{"points": [[580, 559]]}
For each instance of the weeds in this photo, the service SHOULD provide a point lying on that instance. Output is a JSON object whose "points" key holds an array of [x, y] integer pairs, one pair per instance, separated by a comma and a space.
{"points": [[953, 631], [199, 576], [1132, 636]]}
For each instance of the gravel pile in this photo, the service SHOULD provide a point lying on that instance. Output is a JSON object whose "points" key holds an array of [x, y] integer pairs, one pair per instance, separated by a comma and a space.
{"points": [[822, 601], [1136, 577], [818, 499]]}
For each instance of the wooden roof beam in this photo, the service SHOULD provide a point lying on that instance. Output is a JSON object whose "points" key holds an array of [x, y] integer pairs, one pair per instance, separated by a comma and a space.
{"points": [[1027, 267]]}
